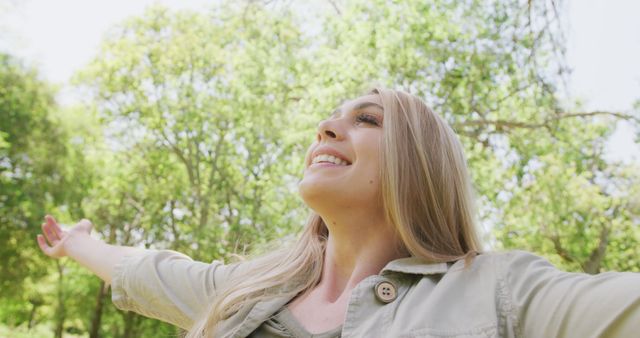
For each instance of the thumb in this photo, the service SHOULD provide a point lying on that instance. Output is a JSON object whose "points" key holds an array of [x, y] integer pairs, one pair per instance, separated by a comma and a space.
{"points": [[86, 225]]}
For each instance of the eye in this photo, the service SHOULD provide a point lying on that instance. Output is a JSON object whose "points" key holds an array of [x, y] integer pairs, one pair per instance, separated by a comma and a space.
{"points": [[367, 118]]}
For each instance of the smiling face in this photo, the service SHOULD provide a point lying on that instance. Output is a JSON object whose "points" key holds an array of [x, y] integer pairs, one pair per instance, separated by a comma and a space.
{"points": [[342, 166]]}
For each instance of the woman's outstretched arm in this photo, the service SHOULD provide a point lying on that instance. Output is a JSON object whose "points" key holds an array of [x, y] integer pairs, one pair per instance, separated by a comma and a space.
{"points": [[77, 243], [547, 302], [161, 284]]}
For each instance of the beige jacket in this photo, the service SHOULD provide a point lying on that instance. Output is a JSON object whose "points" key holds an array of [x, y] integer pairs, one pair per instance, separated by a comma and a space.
{"points": [[514, 294]]}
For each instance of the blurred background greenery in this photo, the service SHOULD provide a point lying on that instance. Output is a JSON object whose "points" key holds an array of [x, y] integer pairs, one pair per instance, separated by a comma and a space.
{"points": [[193, 127]]}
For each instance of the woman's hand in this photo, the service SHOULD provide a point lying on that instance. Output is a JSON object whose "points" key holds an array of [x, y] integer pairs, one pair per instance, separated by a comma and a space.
{"points": [[77, 244], [56, 237]]}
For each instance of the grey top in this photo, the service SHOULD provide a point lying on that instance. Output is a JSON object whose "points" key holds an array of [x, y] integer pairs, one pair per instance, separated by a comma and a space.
{"points": [[284, 325], [512, 294]]}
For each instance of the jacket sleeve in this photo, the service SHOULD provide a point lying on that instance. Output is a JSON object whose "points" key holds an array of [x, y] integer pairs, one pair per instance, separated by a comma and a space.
{"points": [[547, 302], [167, 285]]}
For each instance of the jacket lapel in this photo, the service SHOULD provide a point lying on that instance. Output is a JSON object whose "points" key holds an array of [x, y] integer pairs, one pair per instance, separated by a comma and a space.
{"points": [[253, 317]]}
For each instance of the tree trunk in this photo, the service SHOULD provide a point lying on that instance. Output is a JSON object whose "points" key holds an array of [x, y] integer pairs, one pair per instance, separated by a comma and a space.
{"points": [[35, 302], [60, 314], [129, 325], [32, 315], [94, 331], [592, 266]]}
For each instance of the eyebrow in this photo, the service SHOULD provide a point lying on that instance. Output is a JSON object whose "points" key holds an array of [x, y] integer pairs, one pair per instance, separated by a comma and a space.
{"points": [[358, 106]]}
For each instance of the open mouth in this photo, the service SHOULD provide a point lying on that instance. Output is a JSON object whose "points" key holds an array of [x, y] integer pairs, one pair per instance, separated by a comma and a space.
{"points": [[329, 159]]}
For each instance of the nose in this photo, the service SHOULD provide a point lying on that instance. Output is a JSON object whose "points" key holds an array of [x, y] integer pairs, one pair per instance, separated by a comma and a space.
{"points": [[328, 129]]}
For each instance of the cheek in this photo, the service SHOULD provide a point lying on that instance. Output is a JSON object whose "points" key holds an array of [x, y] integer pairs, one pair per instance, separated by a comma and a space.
{"points": [[307, 156], [372, 154], [371, 168]]}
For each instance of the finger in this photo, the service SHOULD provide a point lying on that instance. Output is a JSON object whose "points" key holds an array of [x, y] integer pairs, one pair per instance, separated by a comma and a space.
{"points": [[53, 225], [42, 243], [48, 234]]}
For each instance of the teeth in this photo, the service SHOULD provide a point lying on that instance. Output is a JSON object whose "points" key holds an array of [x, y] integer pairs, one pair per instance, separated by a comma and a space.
{"points": [[328, 158]]}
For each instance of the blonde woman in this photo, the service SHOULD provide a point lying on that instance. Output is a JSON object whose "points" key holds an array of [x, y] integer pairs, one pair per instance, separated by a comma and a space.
{"points": [[390, 250]]}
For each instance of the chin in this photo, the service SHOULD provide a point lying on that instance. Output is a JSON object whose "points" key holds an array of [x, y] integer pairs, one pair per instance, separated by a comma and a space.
{"points": [[310, 191], [316, 195]]}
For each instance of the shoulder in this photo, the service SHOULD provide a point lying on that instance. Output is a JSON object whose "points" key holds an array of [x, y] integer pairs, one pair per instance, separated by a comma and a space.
{"points": [[509, 256], [489, 270], [510, 260], [500, 268], [500, 261]]}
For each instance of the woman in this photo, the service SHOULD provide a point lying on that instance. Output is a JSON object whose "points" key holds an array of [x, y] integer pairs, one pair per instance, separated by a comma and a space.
{"points": [[389, 251]]}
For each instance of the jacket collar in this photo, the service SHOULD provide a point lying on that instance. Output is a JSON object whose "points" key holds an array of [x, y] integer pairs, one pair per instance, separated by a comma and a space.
{"points": [[255, 314], [415, 266]]}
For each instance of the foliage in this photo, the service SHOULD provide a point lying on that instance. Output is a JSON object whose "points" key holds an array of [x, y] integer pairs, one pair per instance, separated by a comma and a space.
{"points": [[31, 178], [208, 95], [195, 125]]}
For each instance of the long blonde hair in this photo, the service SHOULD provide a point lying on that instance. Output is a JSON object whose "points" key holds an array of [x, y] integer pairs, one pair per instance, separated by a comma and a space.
{"points": [[427, 195]]}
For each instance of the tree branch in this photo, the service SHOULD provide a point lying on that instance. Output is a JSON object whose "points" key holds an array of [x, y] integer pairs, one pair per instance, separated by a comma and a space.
{"points": [[502, 125], [592, 266], [560, 250]]}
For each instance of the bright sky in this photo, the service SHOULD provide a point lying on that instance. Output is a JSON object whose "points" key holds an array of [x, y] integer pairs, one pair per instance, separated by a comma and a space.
{"points": [[61, 36], [604, 52]]}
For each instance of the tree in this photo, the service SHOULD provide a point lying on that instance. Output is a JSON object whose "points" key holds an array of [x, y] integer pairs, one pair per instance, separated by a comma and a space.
{"points": [[31, 177], [197, 106], [492, 69], [196, 124]]}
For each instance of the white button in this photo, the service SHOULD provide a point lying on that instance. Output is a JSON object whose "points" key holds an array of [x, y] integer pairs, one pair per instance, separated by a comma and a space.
{"points": [[386, 292]]}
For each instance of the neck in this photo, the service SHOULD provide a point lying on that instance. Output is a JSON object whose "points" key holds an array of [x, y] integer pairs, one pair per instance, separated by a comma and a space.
{"points": [[360, 244]]}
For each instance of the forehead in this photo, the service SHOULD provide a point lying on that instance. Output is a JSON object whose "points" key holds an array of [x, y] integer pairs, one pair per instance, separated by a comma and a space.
{"points": [[371, 101]]}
